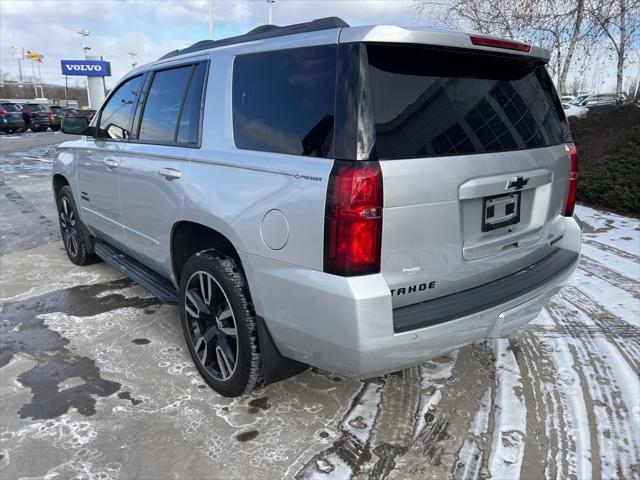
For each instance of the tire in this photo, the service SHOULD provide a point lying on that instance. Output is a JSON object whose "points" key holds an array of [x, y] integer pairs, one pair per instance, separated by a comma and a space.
{"points": [[76, 238], [36, 129], [214, 303], [55, 128]]}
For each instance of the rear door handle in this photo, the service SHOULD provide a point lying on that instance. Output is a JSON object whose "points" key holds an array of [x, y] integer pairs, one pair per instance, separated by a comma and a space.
{"points": [[170, 173], [110, 163]]}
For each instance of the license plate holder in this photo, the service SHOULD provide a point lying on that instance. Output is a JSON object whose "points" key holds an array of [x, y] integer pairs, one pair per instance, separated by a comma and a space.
{"points": [[500, 211]]}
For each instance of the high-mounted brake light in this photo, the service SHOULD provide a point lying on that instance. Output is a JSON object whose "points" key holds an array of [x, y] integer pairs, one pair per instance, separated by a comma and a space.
{"points": [[353, 219], [573, 180], [499, 43]]}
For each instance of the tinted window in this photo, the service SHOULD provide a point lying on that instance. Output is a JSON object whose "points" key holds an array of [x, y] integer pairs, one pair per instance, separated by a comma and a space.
{"points": [[429, 102], [117, 114], [9, 107], [283, 101], [32, 108], [162, 107], [189, 126]]}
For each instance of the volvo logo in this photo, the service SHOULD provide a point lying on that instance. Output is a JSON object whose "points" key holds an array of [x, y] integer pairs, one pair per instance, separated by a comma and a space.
{"points": [[517, 183]]}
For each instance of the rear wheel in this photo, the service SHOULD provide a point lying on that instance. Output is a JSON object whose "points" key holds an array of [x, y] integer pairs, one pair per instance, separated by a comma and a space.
{"points": [[75, 237], [219, 323]]}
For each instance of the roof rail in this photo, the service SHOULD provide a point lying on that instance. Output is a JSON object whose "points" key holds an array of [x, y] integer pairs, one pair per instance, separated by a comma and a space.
{"points": [[261, 32]]}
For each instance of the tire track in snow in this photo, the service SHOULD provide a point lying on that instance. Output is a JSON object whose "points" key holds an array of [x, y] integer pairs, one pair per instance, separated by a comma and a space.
{"points": [[348, 453], [507, 451], [614, 425], [611, 249], [560, 399], [625, 337], [591, 267]]}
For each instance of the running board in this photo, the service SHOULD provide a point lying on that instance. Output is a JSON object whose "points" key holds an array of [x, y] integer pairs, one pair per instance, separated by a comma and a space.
{"points": [[139, 273]]}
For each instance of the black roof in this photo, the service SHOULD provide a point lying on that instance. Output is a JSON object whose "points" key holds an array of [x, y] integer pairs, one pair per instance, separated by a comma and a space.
{"points": [[263, 31]]}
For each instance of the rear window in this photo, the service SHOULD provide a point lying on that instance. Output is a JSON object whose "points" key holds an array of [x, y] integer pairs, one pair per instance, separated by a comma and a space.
{"points": [[283, 101], [9, 107], [432, 102], [33, 108]]}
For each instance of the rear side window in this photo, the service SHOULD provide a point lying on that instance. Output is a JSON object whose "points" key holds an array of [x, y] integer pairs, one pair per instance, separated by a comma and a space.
{"points": [[189, 125], [9, 107], [283, 101], [117, 115], [431, 102]]}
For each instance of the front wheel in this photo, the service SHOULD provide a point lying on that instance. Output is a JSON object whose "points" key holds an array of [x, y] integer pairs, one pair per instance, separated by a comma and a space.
{"points": [[219, 323], [76, 240]]}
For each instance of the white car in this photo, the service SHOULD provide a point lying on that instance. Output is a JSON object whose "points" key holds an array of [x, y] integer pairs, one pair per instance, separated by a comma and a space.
{"points": [[574, 111]]}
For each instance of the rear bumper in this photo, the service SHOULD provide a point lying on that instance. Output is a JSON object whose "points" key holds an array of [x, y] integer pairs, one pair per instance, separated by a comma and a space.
{"points": [[12, 123], [346, 325]]}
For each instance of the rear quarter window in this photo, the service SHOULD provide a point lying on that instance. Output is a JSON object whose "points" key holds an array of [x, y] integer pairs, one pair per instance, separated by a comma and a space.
{"points": [[284, 101], [433, 102]]}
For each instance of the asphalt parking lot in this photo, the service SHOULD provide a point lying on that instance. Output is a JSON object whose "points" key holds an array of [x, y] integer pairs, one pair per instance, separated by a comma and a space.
{"points": [[96, 381]]}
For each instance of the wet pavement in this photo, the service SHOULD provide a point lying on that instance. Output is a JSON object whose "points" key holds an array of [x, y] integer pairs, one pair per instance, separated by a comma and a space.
{"points": [[96, 381]]}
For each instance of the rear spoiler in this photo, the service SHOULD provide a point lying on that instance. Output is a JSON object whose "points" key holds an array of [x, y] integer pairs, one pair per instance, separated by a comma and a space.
{"points": [[445, 38]]}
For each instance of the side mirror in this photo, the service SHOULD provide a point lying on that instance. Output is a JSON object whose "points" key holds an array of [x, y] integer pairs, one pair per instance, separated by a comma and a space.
{"points": [[75, 125]]}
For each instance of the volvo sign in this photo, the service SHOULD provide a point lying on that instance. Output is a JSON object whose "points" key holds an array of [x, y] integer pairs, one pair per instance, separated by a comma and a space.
{"points": [[86, 68]]}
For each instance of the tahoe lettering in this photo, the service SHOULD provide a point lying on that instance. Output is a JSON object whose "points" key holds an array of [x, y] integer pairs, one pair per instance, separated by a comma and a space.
{"points": [[413, 288]]}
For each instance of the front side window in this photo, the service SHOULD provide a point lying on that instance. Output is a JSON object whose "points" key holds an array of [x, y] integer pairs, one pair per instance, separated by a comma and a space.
{"points": [[117, 115], [284, 101]]}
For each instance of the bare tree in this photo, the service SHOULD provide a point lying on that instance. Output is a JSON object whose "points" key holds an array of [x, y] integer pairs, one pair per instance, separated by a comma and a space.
{"points": [[558, 25], [619, 23]]}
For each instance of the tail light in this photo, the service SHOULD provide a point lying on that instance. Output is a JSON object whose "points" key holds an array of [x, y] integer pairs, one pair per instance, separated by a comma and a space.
{"points": [[573, 180], [3, 112], [500, 43], [353, 219]]}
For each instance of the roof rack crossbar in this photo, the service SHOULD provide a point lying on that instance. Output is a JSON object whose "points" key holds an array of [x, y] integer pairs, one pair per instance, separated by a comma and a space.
{"points": [[261, 32]]}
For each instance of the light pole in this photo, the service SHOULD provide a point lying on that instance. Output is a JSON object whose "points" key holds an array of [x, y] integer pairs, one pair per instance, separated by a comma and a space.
{"points": [[132, 54], [84, 33], [270, 4], [18, 54]]}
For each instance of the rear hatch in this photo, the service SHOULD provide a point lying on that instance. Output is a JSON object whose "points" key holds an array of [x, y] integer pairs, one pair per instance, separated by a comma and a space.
{"points": [[472, 148], [11, 110]]}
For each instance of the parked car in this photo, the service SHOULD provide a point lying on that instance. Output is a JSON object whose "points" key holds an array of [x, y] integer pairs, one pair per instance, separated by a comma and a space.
{"points": [[10, 118], [56, 114], [574, 111], [578, 99], [601, 102], [70, 111], [566, 98], [308, 210], [85, 112], [36, 116]]}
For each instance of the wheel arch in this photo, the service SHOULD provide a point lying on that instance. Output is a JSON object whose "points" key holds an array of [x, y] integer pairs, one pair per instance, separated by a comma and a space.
{"points": [[58, 182], [188, 238]]}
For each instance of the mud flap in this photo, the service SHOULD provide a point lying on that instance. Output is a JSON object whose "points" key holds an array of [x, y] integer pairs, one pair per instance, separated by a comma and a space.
{"points": [[275, 367]]}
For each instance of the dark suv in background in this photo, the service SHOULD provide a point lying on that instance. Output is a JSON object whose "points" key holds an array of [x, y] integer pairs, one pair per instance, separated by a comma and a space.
{"points": [[11, 118], [36, 117], [56, 115]]}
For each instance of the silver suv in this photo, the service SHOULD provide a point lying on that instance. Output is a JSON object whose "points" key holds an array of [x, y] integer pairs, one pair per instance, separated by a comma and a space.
{"points": [[359, 199]]}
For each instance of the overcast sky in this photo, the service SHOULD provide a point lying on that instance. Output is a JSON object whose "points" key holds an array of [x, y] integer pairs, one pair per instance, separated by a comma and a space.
{"points": [[155, 27]]}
